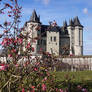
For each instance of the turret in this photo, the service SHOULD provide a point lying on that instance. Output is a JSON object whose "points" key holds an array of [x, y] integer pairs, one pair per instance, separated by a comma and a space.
{"points": [[71, 23], [71, 35], [78, 45], [65, 28], [77, 22], [65, 24], [34, 17], [31, 29]]}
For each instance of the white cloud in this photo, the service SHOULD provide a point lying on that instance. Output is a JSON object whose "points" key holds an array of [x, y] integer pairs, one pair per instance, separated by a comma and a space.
{"points": [[46, 2], [85, 11]]}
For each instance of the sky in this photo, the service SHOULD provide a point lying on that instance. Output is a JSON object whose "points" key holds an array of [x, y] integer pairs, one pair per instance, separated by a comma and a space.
{"points": [[61, 10]]}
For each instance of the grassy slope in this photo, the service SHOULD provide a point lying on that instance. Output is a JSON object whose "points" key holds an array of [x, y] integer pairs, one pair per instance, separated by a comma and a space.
{"points": [[79, 77]]}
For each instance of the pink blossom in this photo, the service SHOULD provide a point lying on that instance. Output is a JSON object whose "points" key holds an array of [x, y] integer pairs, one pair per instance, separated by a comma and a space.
{"points": [[79, 87], [13, 50], [3, 67], [16, 65], [15, 41], [45, 78], [43, 87], [10, 55], [60, 90], [5, 41], [56, 89], [71, 54], [40, 49], [32, 49], [33, 89], [84, 90], [20, 40], [23, 90], [28, 45], [9, 15], [35, 69]]}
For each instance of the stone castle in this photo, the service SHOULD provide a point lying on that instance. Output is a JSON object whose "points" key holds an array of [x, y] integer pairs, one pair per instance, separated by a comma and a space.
{"points": [[66, 40]]}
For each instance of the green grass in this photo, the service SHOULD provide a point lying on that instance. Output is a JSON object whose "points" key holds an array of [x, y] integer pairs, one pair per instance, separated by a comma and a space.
{"points": [[77, 78]]}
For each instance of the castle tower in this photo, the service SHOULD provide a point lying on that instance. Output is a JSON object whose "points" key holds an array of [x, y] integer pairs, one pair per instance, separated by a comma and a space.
{"points": [[78, 34], [65, 24], [31, 29], [71, 35]]}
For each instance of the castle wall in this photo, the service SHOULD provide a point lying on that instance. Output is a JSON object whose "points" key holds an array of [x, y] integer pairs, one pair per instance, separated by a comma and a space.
{"points": [[41, 45], [64, 43], [71, 35], [32, 33], [52, 46], [78, 41], [77, 63]]}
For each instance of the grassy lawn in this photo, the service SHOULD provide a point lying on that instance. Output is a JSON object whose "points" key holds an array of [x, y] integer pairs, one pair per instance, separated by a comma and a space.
{"points": [[78, 78]]}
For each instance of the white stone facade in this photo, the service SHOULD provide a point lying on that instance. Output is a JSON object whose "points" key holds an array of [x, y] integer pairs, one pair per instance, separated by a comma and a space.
{"points": [[53, 42], [76, 40], [53, 38]]}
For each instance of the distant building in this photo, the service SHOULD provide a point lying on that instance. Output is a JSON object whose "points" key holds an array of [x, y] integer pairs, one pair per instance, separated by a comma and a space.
{"points": [[54, 39]]}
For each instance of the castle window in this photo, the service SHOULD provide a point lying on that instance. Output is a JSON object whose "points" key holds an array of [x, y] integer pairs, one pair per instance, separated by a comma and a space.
{"points": [[38, 42], [51, 39], [44, 42], [54, 39]]}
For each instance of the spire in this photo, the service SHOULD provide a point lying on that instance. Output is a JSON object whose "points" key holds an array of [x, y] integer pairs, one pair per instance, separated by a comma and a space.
{"points": [[71, 23], [34, 17], [65, 27], [65, 24], [77, 22]]}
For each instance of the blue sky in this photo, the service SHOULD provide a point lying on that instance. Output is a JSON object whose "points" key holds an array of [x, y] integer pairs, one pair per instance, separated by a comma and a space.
{"points": [[61, 10]]}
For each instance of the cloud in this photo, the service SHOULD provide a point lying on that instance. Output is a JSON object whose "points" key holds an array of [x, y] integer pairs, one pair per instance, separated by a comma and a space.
{"points": [[46, 2], [85, 11]]}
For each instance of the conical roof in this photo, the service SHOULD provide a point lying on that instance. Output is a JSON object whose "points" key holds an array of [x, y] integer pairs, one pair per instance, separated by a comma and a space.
{"points": [[34, 17], [65, 24], [71, 23], [77, 22]]}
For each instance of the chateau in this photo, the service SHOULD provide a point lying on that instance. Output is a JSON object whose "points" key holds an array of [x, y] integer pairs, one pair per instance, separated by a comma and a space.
{"points": [[64, 40]]}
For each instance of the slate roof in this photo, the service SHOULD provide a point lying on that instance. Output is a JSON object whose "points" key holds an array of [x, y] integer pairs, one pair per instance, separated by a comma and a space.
{"points": [[49, 28], [34, 17], [65, 24], [77, 22], [71, 23]]}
